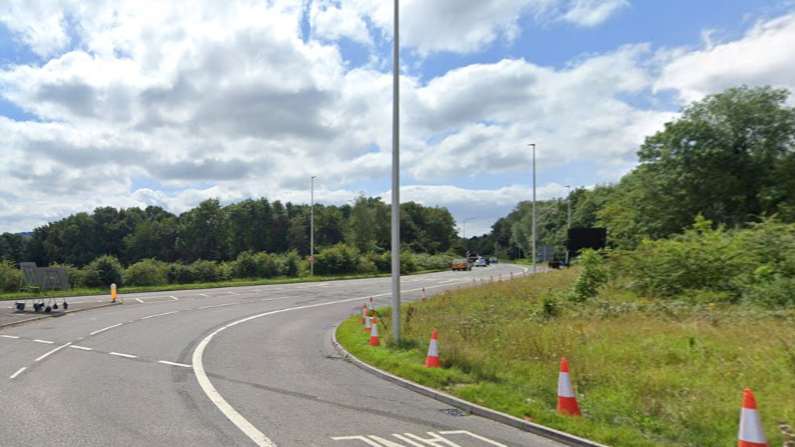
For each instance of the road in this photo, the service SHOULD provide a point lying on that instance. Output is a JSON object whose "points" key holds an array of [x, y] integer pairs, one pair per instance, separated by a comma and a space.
{"points": [[245, 366]]}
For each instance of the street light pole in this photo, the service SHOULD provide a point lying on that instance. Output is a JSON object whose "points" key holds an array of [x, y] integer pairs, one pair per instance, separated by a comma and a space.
{"points": [[312, 226], [465, 227], [395, 182], [534, 207], [568, 224]]}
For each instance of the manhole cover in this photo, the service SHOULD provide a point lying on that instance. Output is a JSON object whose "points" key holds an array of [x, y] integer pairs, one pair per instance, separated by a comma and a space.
{"points": [[454, 412]]}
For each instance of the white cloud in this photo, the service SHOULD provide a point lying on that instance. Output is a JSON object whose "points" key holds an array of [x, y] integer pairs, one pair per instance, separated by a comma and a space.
{"points": [[764, 56], [591, 13]]}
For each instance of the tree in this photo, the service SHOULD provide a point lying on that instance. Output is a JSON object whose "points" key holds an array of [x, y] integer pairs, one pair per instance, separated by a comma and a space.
{"points": [[728, 157], [203, 232]]}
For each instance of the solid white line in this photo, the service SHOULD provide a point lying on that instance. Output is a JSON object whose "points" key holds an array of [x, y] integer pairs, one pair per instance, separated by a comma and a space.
{"points": [[139, 300], [109, 327], [173, 297], [160, 315], [218, 305], [124, 355], [44, 341], [81, 348], [14, 376], [174, 364], [52, 352], [9, 336]]}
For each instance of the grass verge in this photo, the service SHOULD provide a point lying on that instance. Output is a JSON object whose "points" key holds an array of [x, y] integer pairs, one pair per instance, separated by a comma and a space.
{"points": [[647, 373], [192, 286]]}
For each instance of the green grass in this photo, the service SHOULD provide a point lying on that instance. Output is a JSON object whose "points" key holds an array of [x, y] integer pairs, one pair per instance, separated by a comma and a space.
{"points": [[647, 373], [192, 286]]}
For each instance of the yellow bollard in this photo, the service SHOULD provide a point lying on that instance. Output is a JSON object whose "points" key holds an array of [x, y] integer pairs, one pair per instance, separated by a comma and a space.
{"points": [[113, 293]]}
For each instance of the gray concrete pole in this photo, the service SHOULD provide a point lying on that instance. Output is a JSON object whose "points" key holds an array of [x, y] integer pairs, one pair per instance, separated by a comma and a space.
{"points": [[395, 183], [312, 226], [534, 207]]}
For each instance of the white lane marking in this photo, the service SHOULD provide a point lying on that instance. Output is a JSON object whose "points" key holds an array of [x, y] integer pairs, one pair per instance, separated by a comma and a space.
{"points": [[105, 329], [231, 293], [9, 336], [139, 300], [119, 354], [174, 364], [215, 397], [160, 315], [52, 352], [83, 348], [173, 297], [44, 341], [218, 305], [14, 376], [203, 294]]}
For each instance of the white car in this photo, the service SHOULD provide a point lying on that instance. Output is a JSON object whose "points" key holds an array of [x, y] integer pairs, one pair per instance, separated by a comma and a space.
{"points": [[481, 262]]}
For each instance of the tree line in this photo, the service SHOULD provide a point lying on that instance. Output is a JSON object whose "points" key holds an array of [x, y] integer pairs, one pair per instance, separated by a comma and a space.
{"points": [[729, 158], [212, 232]]}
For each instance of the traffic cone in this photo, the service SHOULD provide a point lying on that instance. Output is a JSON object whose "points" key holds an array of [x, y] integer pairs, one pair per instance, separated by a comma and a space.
{"points": [[751, 434], [424, 297], [511, 275], [500, 277], [364, 314], [567, 402], [367, 325], [432, 361], [370, 304], [374, 333]]}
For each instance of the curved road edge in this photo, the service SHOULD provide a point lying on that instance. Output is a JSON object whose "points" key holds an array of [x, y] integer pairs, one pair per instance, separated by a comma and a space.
{"points": [[536, 429]]}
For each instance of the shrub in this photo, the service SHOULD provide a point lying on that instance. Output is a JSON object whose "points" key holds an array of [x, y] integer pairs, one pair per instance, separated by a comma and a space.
{"points": [[179, 274], [246, 266], [148, 272], [269, 265], [205, 271], [337, 260], [592, 276], [432, 262], [74, 275], [10, 277], [291, 264], [104, 271]]}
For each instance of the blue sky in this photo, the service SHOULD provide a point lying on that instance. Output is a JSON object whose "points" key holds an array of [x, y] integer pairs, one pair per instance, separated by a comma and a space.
{"points": [[148, 103]]}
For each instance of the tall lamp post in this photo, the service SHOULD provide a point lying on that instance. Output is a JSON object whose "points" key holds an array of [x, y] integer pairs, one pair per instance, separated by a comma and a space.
{"points": [[395, 182], [465, 227], [534, 206], [312, 225], [568, 224]]}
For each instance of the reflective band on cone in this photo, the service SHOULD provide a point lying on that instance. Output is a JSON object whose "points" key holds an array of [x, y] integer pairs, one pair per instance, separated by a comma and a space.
{"points": [[374, 333], [364, 314], [751, 434], [567, 402], [367, 325], [432, 361], [370, 304]]}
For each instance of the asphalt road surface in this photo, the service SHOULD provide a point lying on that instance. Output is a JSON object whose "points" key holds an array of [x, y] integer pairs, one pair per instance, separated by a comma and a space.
{"points": [[245, 366]]}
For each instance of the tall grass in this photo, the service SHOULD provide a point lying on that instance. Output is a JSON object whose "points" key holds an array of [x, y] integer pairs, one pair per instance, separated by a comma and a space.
{"points": [[647, 373]]}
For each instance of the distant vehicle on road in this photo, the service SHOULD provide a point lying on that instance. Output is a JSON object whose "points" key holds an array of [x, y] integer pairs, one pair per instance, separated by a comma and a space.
{"points": [[494, 260], [481, 262], [461, 264]]}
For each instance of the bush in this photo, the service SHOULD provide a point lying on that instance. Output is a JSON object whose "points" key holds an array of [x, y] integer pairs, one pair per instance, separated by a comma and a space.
{"points": [[74, 275], [383, 262], [205, 271], [148, 272], [269, 265], [179, 274], [592, 276], [10, 277], [291, 264], [246, 266], [104, 271], [337, 260], [432, 262]]}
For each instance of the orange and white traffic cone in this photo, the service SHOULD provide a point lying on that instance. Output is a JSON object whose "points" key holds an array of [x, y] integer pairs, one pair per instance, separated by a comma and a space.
{"points": [[432, 361], [370, 305], [374, 333], [500, 277], [424, 297], [751, 434], [567, 402], [367, 325], [364, 314]]}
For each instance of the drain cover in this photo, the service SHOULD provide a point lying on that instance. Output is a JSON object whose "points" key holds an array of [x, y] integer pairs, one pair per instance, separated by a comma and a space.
{"points": [[454, 412]]}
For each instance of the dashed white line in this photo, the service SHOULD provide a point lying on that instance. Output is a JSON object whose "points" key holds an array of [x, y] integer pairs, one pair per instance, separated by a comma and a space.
{"points": [[173, 297], [174, 364], [52, 352], [14, 376], [83, 348], [139, 300], [231, 293], [119, 354], [204, 294], [9, 336], [105, 329], [160, 315], [45, 342], [218, 305]]}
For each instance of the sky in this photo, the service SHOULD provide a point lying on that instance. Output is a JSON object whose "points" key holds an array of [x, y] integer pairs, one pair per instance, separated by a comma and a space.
{"points": [[131, 103]]}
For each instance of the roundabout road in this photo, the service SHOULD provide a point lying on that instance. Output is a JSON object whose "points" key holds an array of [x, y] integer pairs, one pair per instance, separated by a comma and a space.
{"points": [[247, 366]]}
